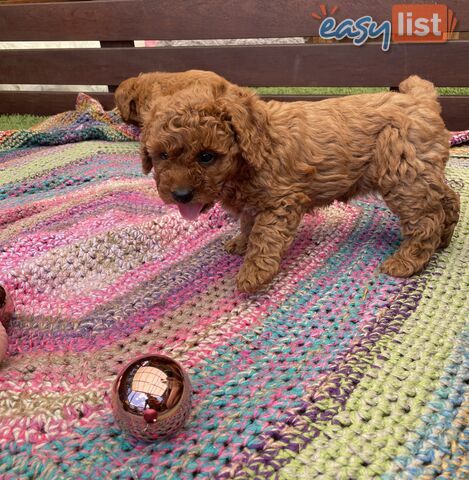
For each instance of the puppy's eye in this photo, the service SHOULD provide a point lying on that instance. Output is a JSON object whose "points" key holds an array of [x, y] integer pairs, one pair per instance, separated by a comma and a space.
{"points": [[206, 157], [163, 155]]}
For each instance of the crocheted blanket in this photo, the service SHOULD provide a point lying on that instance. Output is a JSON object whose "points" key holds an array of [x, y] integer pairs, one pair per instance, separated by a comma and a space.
{"points": [[89, 121], [335, 372]]}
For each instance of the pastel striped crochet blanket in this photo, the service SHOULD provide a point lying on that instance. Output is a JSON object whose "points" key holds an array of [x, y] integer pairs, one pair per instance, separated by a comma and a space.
{"points": [[335, 372], [89, 121]]}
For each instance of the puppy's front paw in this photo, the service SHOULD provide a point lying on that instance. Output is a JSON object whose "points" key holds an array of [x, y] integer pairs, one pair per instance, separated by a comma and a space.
{"points": [[396, 266], [237, 245], [251, 278]]}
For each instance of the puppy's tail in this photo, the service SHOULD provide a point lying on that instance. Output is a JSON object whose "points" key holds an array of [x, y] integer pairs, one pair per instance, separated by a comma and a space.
{"points": [[422, 90]]}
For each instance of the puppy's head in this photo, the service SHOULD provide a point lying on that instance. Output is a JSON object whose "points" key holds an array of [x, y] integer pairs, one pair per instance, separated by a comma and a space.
{"points": [[199, 139]]}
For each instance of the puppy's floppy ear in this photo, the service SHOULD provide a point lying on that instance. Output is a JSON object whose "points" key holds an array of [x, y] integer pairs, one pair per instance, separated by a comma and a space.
{"points": [[125, 100], [151, 120], [147, 163], [248, 118]]}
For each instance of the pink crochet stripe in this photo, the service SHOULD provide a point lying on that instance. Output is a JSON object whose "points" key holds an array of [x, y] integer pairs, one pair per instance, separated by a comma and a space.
{"points": [[126, 283], [88, 192], [255, 315], [50, 240], [79, 304]]}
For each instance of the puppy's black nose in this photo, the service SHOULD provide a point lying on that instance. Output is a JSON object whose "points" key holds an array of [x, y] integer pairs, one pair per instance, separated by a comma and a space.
{"points": [[183, 195]]}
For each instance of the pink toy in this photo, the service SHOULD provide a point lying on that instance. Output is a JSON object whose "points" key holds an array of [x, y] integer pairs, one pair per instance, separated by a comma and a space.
{"points": [[6, 312]]}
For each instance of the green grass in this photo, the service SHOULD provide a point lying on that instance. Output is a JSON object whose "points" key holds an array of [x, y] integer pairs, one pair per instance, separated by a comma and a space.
{"points": [[345, 90], [453, 90], [13, 122], [317, 90]]}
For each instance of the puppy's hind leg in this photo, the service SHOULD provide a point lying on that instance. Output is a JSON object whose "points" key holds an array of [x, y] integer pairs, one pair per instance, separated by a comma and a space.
{"points": [[422, 231], [413, 190]]}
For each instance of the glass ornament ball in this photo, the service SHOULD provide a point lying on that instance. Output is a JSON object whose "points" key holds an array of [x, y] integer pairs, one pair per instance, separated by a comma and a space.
{"points": [[151, 397]]}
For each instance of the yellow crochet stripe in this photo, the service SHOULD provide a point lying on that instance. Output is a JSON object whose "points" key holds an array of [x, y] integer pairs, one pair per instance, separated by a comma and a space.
{"points": [[385, 409], [46, 404], [60, 157]]}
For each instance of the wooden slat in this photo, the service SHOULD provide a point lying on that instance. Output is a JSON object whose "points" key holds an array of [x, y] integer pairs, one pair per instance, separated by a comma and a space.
{"points": [[455, 107], [3, 2], [286, 65], [117, 44], [45, 103], [179, 19]]}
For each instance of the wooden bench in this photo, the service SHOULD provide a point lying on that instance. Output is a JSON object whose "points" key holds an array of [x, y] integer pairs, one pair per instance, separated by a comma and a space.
{"points": [[116, 23]]}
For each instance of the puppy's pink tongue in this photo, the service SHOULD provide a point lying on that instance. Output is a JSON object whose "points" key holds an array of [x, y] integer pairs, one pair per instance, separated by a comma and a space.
{"points": [[190, 211]]}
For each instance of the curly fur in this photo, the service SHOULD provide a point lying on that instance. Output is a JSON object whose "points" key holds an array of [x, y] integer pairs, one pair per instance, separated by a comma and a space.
{"points": [[135, 95], [276, 161]]}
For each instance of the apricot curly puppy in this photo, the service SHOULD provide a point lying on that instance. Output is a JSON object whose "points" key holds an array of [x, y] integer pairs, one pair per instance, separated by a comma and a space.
{"points": [[134, 95], [270, 162]]}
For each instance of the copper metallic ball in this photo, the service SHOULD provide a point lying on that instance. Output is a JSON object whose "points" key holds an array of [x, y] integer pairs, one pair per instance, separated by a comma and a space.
{"points": [[6, 307], [6, 312], [151, 397]]}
